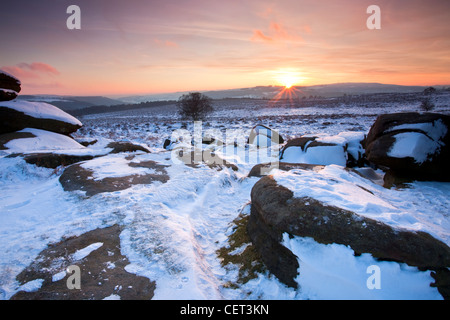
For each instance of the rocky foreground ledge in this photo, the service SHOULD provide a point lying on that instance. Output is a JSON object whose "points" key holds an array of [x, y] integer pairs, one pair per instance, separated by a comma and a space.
{"points": [[103, 270], [276, 211]]}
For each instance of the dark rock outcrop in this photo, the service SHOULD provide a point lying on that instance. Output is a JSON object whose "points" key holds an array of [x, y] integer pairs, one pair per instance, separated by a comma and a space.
{"points": [[54, 160], [120, 146], [9, 86]]}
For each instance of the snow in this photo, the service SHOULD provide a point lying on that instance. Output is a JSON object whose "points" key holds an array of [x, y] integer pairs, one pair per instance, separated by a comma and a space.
{"points": [[321, 155], [114, 166], [418, 145], [44, 141], [435, 130], [32, 286], [172, 231], [83, 253], [40, 110], [8, 91], [59, 276], [413, 144], [331, 272], [112, 297]]}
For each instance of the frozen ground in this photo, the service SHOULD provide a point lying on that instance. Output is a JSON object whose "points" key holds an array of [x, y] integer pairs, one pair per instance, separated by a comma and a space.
{"points": [[172, 230]]}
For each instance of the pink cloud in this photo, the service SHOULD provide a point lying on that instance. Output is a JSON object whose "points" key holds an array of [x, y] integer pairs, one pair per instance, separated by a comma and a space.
{"points": [[31, 70], [20, 73], [39, 67]]}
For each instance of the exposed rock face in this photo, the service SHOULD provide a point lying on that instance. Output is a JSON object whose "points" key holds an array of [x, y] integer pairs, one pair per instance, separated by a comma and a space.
{"points": [[6, 95], [9, 86], [126, 147], [275, 211], [411, 145], [102, 272], [54, 160]]}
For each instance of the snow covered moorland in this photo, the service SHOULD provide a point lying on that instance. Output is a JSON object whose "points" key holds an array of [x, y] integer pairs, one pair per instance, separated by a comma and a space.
{"points": [[184, 226]]}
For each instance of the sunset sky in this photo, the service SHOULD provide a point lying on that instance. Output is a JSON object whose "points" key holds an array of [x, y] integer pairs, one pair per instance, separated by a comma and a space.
{"points": [[137, 46]]}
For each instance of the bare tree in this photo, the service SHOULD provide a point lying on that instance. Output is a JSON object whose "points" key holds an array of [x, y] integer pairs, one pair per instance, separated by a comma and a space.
{"points": [[194, 105], [427, 105]]}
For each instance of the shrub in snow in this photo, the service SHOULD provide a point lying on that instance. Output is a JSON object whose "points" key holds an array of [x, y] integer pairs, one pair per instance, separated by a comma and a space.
{"points": [[427, 105], [194, 106]]}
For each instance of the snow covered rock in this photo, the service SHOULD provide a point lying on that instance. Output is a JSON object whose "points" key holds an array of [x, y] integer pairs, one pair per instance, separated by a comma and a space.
{"points": [[17, 115], [334, 206], [46, 149], [344, 149], [194, 157], [7, 137], [411, 145], [31, 140], [111, 173], [263, 136], [9, 86], [263, 169]]}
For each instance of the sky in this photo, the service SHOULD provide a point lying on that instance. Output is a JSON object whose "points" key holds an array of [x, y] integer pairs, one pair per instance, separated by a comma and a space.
{"points": [[149, 46]]}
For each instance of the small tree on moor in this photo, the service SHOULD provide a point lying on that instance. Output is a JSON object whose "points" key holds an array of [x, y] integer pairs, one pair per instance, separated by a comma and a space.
{"points": [[427, 105], [194, 105]]}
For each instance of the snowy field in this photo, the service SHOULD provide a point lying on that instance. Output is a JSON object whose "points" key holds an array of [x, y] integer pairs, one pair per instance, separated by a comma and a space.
{"points": [[172, 231]]}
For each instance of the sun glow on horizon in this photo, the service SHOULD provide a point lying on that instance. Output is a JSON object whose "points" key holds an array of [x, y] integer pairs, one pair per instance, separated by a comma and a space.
{"points": [[288, 78]]}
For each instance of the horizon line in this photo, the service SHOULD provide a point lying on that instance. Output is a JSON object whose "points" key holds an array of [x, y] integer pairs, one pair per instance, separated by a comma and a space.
{"points": [[229, 89]]}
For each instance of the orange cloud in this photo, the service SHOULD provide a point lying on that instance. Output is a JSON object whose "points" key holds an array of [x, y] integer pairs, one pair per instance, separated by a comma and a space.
{"points": [[166, 43], [277, 33], [259, 35]]}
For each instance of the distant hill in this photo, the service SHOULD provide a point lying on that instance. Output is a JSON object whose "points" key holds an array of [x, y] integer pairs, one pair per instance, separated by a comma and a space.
{"points": [[269, 92], [339, 89], [70, 103], [81, 105]]}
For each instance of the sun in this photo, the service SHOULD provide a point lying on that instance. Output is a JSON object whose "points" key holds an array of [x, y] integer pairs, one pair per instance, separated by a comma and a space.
{"points": [[288, 81], [287, 78]]}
